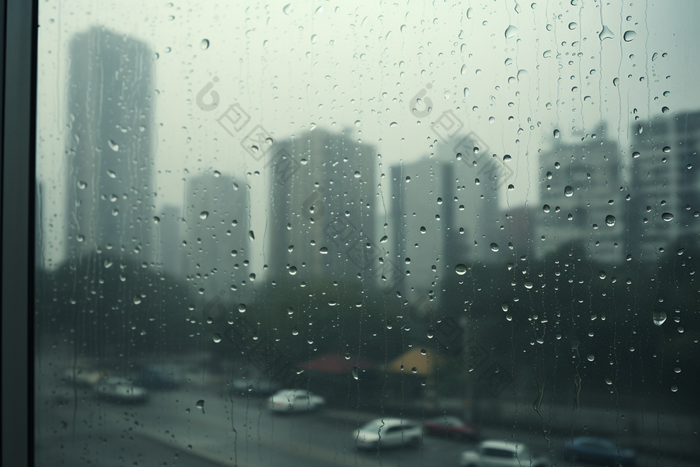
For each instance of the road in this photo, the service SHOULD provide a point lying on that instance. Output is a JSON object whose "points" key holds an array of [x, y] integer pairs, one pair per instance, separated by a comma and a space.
{"points": [[171, 430]]}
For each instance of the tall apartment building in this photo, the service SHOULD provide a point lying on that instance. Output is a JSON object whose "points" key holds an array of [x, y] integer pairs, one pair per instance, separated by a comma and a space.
{"points": [[217, 233], [582, 199], [322, 209], [110, 149], [665, 184]]}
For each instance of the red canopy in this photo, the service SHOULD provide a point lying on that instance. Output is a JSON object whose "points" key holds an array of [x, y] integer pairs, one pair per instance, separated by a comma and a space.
{"points": [[336, 364]]}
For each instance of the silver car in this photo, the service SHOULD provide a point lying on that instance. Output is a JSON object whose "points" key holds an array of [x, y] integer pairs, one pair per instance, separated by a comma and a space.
{"points": [[388, 432], [294, 400], [496, 453]]}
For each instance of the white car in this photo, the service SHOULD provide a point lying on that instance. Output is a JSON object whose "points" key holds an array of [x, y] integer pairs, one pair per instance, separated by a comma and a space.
{"points": [[120, 389], [294, 400], [496, 453], [388, 432]]}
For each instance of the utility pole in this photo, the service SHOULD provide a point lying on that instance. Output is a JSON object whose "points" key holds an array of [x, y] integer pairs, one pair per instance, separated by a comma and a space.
{"points": [[470, 390]]}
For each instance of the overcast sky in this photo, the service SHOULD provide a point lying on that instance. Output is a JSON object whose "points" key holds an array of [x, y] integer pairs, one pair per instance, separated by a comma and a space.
{"points": [[357, 69]]}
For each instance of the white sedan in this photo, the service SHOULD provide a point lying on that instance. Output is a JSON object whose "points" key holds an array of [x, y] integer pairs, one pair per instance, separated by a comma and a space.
{"points": [[497, 453], [388, 432], [294, 400]]}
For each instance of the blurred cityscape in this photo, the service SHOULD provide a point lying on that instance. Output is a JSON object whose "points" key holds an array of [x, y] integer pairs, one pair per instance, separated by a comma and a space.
{"points": [[408, 288]]}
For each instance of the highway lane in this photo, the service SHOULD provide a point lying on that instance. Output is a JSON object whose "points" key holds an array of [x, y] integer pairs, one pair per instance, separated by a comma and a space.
{"points": [[233, 431]]}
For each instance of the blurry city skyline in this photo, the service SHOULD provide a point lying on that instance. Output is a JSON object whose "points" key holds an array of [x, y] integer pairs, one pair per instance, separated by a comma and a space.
{"points": [[432, 213], [358, 71]]}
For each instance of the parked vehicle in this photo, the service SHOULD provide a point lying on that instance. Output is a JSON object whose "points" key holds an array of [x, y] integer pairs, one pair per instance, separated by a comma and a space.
{"points": [[599, 451], [450, 427], [387, 432], [496, 453], [120, 390], [295, 400]]}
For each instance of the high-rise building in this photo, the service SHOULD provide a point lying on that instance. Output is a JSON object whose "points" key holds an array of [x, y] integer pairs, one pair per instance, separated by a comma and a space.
{"points": [[217, 233], [665, 184], [444, 212], [110, 150], [323, 209], [172, 247], [421, 210], [582, 199]]}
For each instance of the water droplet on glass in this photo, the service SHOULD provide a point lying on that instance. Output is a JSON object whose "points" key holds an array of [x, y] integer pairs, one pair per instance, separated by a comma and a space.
{"points": [[204, 214], [667, 216], [610, 220], [242, 307], [568, 191], [659, 317], [287, 10], [494, 247], [461, 269], [674, 388], [323, 250], [217, 338], [572, 26], [200, 404], [511, 32], [528, 285], [292, 270], [606, 33], [251, 235], [113, 146], [204, 45], [137, 300], [356, 372], [629, 36], [556, 133], [504, 306], [82, 185]]}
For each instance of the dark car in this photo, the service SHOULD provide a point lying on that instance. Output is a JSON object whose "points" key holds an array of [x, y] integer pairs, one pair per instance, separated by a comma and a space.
{"points": [[158, 377], [450, 427], [599, 451]]}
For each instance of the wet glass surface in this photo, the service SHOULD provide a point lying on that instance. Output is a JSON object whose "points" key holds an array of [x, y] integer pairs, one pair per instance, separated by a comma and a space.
{"points": [[293, 234]]}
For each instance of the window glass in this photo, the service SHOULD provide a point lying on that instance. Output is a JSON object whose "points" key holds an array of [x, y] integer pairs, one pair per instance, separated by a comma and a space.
{"points": [[264, 226]]}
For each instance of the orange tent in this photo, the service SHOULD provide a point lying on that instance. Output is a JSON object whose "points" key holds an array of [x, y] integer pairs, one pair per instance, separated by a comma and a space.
{"points": [[423, 360]]}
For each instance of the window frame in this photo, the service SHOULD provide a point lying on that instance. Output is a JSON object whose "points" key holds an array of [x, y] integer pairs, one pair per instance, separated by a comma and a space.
{"points": [[19, 24]]}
